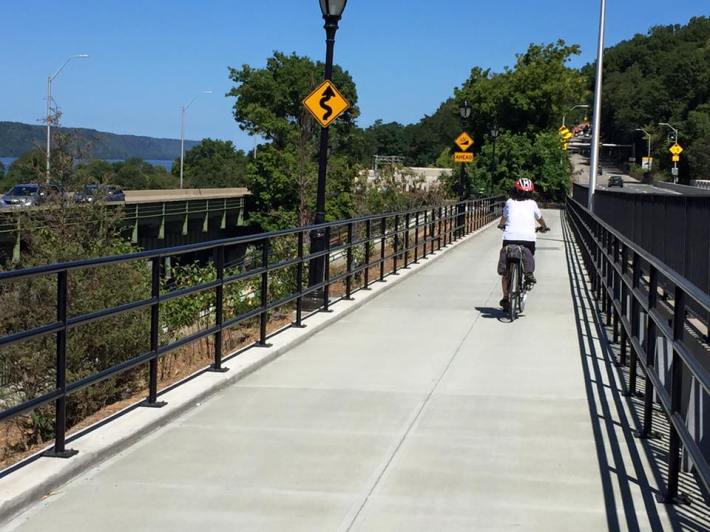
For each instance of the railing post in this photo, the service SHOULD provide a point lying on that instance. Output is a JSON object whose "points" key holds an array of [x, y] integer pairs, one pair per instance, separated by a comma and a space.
{"points": [[383, 244], [427, 234], [439, 233], [395, 254], [349, 277], [152, 401], [650, 348], [671, 495], [60, 419], [264, 294], [219, 313], [326, 272], [624, 302], [368, 251], [416, 238], [299, 283], [407, 221], [635, 321]]}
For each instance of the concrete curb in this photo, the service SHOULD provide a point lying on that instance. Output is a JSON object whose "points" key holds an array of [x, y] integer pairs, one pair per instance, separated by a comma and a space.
{"points": [[29, 484]]}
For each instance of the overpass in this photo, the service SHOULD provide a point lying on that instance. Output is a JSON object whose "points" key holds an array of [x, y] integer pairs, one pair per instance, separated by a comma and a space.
{"points": [[155, 218], [412, 403]]}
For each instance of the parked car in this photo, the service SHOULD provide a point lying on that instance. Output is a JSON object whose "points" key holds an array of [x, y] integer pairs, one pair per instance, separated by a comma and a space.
{"points": [[92, 193], [23, 195], [31, 194], [616, 181]]}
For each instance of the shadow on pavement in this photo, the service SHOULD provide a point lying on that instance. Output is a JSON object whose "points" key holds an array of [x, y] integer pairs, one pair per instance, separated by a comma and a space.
{"points": [[614, 418], [493, 313]]}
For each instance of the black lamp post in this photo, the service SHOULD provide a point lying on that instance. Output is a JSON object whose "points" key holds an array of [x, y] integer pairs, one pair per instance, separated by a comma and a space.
{"points": [[494, 136], [332, 11], [465, 113]]}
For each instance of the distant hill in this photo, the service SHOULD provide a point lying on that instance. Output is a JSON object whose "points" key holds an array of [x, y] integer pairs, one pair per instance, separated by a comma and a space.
{"points": [[17, 138]]}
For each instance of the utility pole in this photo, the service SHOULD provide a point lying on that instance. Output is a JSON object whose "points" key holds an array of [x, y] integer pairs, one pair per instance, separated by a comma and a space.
{"points": [[50, 79], [596, 134], [675, 141]]}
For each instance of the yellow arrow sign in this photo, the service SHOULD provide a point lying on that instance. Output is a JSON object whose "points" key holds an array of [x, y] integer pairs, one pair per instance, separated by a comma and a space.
{"points": [[464, 141], [463, 157], [568, 135], [326, 103], [676, 149]]}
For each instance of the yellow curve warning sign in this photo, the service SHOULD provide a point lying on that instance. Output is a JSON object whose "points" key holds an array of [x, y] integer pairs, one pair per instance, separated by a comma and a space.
{"points": [[326, 103]]}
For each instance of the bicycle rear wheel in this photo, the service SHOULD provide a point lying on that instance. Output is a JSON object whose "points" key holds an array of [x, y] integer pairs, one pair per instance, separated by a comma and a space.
{"points": [[513, 290]]}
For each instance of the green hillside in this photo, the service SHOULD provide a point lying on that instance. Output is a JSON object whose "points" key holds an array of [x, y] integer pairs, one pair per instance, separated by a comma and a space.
{"points": [[17, 138]]}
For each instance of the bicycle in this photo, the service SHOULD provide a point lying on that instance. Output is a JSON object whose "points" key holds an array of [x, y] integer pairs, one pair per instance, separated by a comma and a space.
{"points": [[517, 289]]}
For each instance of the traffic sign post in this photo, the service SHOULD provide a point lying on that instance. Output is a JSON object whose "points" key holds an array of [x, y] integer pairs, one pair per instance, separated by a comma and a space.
{"points": [[326, 103], [463, 142], [675, 150]]}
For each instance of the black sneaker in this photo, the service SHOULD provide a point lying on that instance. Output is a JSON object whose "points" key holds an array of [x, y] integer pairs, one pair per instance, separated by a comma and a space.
{"points": [[504, 304]]}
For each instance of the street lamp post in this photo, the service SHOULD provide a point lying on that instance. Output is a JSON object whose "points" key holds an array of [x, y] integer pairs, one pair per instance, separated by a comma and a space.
{"points": [[675, 141], [648, 137], [332, 12], [596, 133], [50, 79], [580, 106], [182, 132], [465, 113], [494, 136]]}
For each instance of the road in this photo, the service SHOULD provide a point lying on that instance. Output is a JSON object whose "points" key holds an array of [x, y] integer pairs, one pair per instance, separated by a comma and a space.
{"points": [[580, 175]]}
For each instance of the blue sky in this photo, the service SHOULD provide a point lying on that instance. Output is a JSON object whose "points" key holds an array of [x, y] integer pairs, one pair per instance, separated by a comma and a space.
{"points": [[149, 57]]}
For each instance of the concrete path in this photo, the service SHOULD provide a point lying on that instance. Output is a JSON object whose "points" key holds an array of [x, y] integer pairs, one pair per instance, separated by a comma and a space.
{"points": [[420, 411]]}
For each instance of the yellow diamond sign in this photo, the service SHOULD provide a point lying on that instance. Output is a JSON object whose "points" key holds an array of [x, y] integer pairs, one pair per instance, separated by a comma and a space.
{"points": [[326, 103], [464, 141], [676, 149]]}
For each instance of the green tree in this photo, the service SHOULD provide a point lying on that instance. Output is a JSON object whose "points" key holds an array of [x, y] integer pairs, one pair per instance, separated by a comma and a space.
{"points": [[662, 76], [62, 233], [213, 164], [29, 167], [282, 177], [137, 174]]}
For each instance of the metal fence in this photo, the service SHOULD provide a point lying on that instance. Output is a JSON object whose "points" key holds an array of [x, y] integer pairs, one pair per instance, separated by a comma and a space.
{"points": [[673, 228], [656, 334], [368, 249]]}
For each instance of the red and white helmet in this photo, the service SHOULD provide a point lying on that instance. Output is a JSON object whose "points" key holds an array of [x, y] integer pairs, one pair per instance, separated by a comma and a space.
{"points": [[524, 185]]}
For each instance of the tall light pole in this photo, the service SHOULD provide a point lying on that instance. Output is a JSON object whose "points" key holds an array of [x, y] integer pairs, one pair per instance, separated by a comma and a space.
{"points": [[332, 11], [675, 141], [648, 137], [465, 111], [494, 135], [596, 134], [580, 106], [182, 131], [50, 79]]}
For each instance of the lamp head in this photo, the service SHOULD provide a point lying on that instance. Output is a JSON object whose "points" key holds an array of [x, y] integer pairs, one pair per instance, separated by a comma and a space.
{"points": [[332, 8], [465, 110]]}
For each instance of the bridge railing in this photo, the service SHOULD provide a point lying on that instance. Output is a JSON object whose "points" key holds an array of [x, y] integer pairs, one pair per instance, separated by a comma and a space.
{"points": [[666, 340], [359, 252]]}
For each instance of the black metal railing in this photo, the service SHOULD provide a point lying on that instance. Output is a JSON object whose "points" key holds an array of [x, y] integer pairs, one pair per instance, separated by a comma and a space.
{"points": [[667, 339], [359, 252]]}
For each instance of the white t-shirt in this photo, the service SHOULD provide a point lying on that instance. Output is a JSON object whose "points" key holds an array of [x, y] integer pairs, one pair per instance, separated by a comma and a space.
{"points": [[520, 220]]}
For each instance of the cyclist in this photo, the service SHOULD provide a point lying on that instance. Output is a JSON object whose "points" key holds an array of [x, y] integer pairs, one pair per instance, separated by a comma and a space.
{"points": [[521, 214]]}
